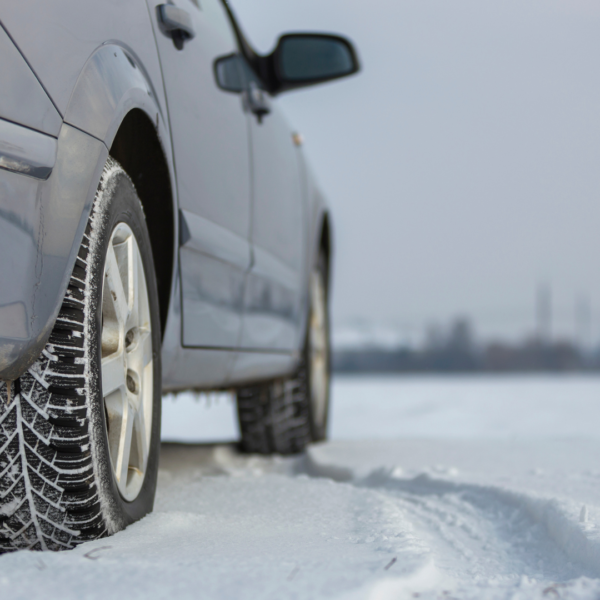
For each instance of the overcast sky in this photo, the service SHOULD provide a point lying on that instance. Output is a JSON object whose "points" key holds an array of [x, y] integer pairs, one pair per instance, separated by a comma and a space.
{"points": [[463, 163]]}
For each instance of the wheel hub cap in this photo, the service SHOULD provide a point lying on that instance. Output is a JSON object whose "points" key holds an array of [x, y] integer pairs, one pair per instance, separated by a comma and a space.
{"points": [[127, 373]]}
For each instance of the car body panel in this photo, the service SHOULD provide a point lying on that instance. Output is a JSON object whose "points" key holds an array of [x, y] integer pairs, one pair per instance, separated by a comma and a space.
{"points": [[270, 304], [41, 225], [190, 368], [250, 367], [213, 260], [206, 237], [210, 145], [58, 38], [273, 291], [22, 98], [111, 83]]}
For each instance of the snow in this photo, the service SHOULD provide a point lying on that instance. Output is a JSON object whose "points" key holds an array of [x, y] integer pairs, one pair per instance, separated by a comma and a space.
{"points": [[450, 487], [466, 406], [192, 418]]}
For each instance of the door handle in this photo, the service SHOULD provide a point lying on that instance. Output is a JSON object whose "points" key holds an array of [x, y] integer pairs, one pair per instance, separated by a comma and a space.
{"points": [[258, 101], [177, 23]]}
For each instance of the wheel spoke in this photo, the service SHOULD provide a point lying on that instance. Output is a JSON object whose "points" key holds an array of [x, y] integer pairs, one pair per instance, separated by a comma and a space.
{"points": [[133, 296], [145, 348], [140, 436], [141, 355], [122, 462], [113, 373], [115, 285]]}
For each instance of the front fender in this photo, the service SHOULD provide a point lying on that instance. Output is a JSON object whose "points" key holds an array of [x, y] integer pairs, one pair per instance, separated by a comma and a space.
{"points": [[112, 83], [42, 222], [41, 228]]}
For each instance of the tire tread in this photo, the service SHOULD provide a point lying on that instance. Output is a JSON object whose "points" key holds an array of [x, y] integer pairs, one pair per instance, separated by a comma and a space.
{"points": [[274, 416], [48, 495]]}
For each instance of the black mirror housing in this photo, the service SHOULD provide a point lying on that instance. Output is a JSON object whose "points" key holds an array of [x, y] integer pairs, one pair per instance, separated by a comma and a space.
{"points": [[303, 59]]}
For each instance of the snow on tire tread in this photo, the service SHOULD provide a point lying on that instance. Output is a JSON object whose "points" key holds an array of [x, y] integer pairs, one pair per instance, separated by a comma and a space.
{"points": [[48, 494]]}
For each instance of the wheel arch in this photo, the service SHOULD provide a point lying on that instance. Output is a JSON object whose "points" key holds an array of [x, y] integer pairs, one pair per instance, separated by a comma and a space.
{"points": [[137, 148], [112, 82], [115, 101]]}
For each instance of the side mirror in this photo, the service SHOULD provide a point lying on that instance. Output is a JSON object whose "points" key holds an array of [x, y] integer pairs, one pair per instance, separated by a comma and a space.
{"points": [[302, 59], [228, 73]]}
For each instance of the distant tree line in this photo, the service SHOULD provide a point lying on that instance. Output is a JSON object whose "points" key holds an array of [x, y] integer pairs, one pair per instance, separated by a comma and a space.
{"points": [[457, 352]]}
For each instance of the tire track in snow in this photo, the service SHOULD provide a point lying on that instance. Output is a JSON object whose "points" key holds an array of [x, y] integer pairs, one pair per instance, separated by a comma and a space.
{"points": [[483, 533]]}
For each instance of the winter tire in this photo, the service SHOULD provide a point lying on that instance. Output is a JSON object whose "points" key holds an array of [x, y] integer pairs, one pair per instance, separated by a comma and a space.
{"points": [[80, 430], [285, 415]]}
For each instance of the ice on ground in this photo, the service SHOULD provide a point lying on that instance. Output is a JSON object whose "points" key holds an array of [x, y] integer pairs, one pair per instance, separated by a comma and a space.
{"points": [[474, 513]]}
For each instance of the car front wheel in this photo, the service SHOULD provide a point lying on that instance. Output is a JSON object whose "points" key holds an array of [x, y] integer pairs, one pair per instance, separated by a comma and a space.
{"points": [[80, 430]]}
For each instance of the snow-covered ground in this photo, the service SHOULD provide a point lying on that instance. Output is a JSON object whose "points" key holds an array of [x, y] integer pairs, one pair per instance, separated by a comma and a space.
{"points": [[471, 488]]}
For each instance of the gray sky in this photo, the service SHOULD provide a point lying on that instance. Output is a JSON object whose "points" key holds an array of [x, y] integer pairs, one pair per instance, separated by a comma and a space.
{"points": [[463, 163]]}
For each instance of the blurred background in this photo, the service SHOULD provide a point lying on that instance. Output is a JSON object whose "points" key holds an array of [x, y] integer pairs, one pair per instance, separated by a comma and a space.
{"points": [[463, 170]]}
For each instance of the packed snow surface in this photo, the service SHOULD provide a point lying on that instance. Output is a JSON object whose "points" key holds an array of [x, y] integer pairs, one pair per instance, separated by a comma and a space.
{"points": [[436, 488]]}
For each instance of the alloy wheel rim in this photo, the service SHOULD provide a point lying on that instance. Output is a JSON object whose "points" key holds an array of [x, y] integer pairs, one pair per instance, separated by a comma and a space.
{"points": [[318, 349], [126, 367]]}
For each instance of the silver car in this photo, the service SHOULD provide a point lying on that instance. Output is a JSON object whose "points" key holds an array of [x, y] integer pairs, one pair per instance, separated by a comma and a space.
{"points": [[160, 230]]}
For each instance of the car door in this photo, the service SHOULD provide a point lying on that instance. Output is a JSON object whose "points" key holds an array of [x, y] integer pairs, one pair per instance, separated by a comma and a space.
{"points": [[275, 284], [211, 151]]}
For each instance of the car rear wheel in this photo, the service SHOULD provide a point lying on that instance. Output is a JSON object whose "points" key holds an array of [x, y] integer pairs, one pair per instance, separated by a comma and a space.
{"points": [[285, 415], [80, 430]]}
